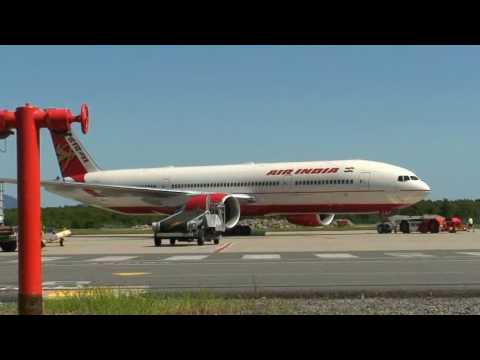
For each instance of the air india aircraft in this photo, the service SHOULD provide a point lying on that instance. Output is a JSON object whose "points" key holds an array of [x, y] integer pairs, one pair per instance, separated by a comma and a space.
{"points": [[307, 193]]}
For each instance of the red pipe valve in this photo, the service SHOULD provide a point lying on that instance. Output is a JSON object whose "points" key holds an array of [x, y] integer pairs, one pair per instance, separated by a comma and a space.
{"points": [[7, 122], [56, 120], [60, 120]]}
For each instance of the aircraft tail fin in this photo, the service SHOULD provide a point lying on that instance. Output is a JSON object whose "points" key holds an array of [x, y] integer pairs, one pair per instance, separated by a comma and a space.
{"points": [[73, 158]]}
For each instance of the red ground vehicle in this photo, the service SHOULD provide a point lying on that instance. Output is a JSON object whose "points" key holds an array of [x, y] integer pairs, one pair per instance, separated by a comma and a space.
{"points": [[424, 224], [433, 225], [455, 224]]}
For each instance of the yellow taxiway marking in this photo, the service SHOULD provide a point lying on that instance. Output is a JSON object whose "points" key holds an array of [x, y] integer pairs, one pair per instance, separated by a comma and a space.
{"points": [[67, 293], [131, 273], [91, 292]]}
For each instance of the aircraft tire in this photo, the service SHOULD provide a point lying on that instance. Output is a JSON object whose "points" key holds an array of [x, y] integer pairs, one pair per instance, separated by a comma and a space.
{"points": [[387, 228], [380, 228], [157, 241], [9, 246], [404, 227], [173, 241], [434, 226], [201, 237]]}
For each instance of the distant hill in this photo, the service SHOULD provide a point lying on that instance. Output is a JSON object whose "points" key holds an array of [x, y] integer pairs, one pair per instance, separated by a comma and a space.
{"points": [[10, 202]]}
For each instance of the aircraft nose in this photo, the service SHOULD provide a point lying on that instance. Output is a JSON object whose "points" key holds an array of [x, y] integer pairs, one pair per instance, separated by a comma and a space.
{"points": [[422, 185]]}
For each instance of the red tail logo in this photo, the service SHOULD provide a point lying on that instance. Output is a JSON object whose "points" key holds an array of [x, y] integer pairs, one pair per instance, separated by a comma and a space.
{"points": [[65, 155], [71, 163]]}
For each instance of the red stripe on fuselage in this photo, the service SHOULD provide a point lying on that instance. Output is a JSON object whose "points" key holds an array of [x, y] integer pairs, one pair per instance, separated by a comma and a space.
{"points": [[260, 210]]}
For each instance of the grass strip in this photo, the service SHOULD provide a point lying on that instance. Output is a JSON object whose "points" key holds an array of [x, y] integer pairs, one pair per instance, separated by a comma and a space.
{"points": [[113, 302]]}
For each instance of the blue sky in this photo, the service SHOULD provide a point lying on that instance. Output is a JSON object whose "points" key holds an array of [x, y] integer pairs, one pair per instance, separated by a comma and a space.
{"points": [[412, 106]]}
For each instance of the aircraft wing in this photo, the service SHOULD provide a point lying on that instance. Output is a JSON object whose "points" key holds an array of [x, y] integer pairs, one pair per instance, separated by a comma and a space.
{"points": [[122, 198]]}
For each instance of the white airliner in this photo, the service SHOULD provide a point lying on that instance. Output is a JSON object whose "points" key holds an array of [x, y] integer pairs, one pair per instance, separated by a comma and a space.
{"points": [[307, 193]]}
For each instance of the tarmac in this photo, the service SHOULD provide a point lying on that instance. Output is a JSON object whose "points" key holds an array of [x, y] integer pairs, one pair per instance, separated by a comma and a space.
{"points": [[337, 262]]}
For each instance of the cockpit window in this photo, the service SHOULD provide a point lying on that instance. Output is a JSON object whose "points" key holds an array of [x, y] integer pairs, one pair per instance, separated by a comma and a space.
{"points": [[407, 178]]}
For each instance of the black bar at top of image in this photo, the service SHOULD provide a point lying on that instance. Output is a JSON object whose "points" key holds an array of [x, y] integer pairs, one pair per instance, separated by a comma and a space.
{"points": [[242, 37], [325, 23]]}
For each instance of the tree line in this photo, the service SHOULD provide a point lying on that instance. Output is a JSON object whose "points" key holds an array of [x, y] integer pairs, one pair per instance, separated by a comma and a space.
{"points": [[81, 216]]}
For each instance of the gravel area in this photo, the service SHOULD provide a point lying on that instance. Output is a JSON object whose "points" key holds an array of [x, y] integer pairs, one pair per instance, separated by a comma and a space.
{"points": [[377, 306], [344, 306]]}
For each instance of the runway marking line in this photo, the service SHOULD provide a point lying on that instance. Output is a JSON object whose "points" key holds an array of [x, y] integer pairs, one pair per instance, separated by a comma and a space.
{"points": [[111, 258], [185, 257], [261, 257], [410, 255], [336, 256], [62, 283], [470, 253], [44, 259], [53, 258], [223, 247], [131, 273]]}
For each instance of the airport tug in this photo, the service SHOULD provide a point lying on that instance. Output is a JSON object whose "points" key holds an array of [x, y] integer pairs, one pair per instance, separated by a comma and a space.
{"points": [[201, 223]]}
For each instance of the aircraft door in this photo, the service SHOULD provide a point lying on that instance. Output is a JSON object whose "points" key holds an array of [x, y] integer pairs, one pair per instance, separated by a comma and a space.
{"points": [[364, 180], [165, 183], [288, 182]]}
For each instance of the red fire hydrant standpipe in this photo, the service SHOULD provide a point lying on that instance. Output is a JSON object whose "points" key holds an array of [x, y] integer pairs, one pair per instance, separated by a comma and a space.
{"points": [[28, 120]]}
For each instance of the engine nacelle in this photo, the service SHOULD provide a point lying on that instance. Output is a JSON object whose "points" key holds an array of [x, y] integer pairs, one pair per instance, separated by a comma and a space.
{"points": [[311, 219], [204, 201]]}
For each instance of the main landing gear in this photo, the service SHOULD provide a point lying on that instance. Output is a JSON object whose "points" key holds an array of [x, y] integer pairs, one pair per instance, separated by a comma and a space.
{"points": [[386, 226]]}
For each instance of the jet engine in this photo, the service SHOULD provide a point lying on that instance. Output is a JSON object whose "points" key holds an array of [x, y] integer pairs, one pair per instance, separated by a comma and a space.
{"points": [[203, 202], [311, 219]]}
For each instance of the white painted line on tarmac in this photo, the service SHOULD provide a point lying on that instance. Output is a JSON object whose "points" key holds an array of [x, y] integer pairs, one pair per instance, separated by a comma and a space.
{"points": [[410, 255], [131, 273], [469, 253], [336, 256], [44, 259], [261, 257], [65, 284], [186, 257], [53, 258], [111, 258]]}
